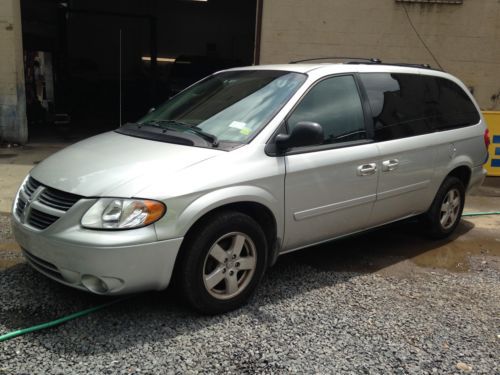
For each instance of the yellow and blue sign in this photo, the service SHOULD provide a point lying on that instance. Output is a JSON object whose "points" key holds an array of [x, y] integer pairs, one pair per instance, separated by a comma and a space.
{"points": [[493, 121]]}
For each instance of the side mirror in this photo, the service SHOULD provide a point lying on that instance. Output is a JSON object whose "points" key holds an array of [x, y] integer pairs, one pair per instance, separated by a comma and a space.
{"points": [[305, 133]]}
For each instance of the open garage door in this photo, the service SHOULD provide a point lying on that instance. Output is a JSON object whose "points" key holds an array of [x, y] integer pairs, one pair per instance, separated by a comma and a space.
{"points": [[91, 65]]}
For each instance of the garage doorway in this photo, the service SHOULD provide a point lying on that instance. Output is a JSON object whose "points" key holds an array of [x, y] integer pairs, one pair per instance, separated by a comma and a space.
{"points": [[92, 65]]}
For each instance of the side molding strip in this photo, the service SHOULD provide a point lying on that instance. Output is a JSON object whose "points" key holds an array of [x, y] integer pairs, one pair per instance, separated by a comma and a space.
{"points": [[323, 210]]}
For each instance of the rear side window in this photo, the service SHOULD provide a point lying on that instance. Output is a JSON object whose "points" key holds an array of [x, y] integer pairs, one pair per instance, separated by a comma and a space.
{"points": [[453, 106], [334, 103], [398, 104], [405, 105]]}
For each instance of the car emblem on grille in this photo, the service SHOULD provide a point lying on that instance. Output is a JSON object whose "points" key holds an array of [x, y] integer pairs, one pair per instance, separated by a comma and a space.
{"points": [[27, 208]]}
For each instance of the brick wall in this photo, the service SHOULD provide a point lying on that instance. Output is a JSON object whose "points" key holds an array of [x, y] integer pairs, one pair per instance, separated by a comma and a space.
{"points": [[13, 127], [464, 38]]}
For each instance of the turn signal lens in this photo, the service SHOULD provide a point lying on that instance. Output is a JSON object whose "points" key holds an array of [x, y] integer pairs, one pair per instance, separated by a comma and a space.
{"points": [[156, 211]]}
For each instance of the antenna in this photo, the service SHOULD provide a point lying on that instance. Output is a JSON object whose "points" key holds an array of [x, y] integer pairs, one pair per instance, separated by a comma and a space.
{"points": [[120, 73]]}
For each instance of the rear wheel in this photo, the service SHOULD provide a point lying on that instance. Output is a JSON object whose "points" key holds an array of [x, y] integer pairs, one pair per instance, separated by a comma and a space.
{"points": [[446, 209], [223, 260]]}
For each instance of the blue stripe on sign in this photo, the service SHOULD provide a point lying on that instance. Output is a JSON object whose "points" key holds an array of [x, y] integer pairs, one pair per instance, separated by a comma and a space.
{"points": [[495, 162], [497, 150], [496, 139]]}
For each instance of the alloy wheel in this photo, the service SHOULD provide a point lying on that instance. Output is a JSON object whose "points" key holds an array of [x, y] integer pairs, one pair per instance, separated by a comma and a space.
{"points": [[229, 265], [450, 208]]}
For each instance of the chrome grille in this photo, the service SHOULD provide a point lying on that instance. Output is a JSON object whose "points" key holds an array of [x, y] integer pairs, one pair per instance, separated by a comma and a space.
{"points": [[51, 204], [20, 206], [58, 199], [40, 220], [30, 186]]}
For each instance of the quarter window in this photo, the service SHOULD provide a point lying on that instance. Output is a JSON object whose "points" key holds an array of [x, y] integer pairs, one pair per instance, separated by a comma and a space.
{"points": [[405, 105], [454, 107], [334, 103]]}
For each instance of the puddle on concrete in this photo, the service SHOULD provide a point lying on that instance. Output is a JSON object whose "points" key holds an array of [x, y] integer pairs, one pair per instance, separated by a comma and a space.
{"points": [[401, 249], [452, 257]]}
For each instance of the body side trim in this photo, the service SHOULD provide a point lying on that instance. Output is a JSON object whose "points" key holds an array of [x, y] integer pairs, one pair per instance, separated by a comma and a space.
{"points": [[323, 210], [403, 190]]}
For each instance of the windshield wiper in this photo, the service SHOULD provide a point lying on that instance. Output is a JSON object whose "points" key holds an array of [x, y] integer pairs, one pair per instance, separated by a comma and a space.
{"points": [[196, 130], [209, 137]]}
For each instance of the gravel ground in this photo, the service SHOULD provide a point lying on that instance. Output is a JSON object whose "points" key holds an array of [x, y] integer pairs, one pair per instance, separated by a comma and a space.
{"points": [[310, 315]]}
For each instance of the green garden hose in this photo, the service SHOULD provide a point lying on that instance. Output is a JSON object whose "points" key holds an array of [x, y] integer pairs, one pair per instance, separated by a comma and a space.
{"points": [[58, 321], [79, 314], [481, 213]]}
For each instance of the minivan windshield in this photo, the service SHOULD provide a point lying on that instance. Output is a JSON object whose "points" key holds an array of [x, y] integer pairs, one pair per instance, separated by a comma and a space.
{"points": [[230, 106]]}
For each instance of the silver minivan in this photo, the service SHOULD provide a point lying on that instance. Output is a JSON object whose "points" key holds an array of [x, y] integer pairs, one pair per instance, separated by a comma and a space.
{"points": [[248, 164]]}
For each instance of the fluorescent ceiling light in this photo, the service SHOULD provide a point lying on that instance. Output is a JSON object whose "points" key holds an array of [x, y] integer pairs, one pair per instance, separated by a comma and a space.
{"points": [[159, 59]]}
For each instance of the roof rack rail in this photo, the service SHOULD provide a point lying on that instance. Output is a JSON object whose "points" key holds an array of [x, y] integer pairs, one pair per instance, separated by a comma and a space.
{"points": [[372, 60], [425, 66], [422, 66]]}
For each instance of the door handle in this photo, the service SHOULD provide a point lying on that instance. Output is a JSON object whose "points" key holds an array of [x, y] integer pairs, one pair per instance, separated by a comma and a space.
{"points": [[390, 165], [367, 169]]}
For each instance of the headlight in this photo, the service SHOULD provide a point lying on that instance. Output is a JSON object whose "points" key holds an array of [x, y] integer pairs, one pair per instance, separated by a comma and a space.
{"points": [[117, 213]]}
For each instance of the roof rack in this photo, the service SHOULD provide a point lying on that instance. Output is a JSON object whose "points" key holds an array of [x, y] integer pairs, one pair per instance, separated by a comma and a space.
{"points": [[372, 60], [364, 60], [425, 66], [422, 66]]}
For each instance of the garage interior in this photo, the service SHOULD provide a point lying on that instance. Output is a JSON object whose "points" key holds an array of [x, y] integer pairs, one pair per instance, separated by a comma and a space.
{"points": [[92, 65]]}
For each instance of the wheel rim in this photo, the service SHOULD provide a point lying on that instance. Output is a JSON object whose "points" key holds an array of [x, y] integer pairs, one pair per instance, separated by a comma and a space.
{"points": [[450, 208], [230, 265]]}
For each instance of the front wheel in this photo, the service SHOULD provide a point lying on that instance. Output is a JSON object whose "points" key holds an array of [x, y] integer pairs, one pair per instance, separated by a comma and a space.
{"points": [[446, 209], [222, 262]]}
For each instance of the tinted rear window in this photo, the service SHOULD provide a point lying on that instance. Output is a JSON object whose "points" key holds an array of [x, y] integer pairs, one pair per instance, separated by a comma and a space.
{"points": [[452, 105], [405, 105]]}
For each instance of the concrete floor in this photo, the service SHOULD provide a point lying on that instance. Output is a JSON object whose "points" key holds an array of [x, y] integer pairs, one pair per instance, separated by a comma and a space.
{"points": [[16, 162]]}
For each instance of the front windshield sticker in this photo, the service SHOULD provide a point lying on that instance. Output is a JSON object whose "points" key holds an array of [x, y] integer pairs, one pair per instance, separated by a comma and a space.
{"points": [[238, 125], [245, 131]]}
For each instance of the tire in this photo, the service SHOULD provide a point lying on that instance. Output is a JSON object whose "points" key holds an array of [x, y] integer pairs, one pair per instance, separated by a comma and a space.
{"points": [[446, 210], [223, 260]]}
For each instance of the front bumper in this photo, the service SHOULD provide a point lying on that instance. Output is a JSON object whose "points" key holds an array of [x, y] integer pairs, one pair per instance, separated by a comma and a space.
{"points": [[103, 262]]}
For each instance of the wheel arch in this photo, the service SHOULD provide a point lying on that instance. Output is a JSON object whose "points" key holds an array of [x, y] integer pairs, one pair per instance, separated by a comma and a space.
{"points": [[257, 203], [461, 169], [463, 173]]}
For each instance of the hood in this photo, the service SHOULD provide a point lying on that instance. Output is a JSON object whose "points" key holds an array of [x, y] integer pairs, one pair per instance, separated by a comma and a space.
{"points": [[113, 164]]}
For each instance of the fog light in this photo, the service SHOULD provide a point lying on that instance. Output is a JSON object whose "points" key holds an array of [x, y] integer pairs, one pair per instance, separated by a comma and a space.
{"points": [[94, 284]]}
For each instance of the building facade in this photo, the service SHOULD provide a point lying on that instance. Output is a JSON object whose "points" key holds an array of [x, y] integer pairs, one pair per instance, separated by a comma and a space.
{"points": [[460, 37], [13, 125]]}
